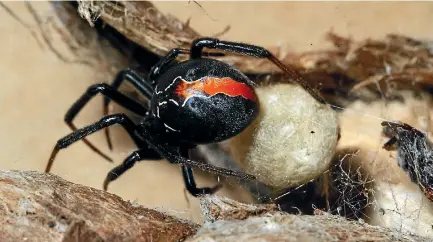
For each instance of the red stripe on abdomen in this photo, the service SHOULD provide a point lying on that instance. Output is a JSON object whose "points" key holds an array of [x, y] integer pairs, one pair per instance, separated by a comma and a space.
{"points": [[210, 86]]}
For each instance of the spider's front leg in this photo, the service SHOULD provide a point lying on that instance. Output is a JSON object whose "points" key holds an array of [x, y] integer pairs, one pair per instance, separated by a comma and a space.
{"points": [[141, 85], [250, 50], [144, 153], [80, 134], [109, 92]]}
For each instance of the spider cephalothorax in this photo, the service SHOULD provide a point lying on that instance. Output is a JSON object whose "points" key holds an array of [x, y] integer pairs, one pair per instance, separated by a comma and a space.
{"points": [[194, 102]]}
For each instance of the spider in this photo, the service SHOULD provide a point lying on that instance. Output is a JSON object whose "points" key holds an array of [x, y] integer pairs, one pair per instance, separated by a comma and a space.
{"points": [[197, 101]]}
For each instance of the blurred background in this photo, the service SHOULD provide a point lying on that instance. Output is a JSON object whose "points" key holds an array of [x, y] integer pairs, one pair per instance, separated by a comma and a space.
{"points": [[37, 87]]}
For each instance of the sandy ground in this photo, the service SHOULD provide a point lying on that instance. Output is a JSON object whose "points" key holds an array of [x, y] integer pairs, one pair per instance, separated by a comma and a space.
{"points": [[37, 88]]}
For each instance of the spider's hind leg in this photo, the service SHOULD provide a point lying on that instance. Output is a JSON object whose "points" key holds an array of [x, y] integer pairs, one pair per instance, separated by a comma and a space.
{"points": [[147, 132], [191, 186]]}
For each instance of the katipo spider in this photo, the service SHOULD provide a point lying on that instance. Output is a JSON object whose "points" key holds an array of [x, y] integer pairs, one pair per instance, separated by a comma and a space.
{"points": [[198, 101]]}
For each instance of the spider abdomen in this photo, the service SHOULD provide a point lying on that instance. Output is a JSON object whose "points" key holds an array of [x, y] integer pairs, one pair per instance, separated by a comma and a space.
{"points": [[204, 103]]}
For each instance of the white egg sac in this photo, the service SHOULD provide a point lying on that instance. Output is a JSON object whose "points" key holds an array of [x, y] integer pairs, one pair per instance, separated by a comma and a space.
{"points": [[291, 142]]}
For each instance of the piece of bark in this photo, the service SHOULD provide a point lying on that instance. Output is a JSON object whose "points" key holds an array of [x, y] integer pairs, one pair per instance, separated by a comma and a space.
{"points": [[44, 207], [144, 24], [221, 208], [367, 69], [266, 224], [141, 22]]}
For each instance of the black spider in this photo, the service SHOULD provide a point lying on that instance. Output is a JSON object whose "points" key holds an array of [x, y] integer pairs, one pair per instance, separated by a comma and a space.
{"points": [[194, 102]]}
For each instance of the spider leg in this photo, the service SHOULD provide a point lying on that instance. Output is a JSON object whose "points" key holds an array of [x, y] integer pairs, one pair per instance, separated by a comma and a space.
{"points": [[171, 153], [79, 134], [158, 68], [250, 50], [128, 163], [191, 186], [141, 84], [109, 92]]}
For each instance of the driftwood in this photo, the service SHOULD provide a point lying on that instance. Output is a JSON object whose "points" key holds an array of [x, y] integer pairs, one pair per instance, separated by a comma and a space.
{"points": [[235, 221], [44, 207]]}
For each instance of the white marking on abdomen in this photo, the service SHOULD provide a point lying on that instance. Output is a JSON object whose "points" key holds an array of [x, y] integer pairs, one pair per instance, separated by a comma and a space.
{"points": [[168, 127], [173, 101], [191, 96], [156, 90], [171, 84], [157, 107]]}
